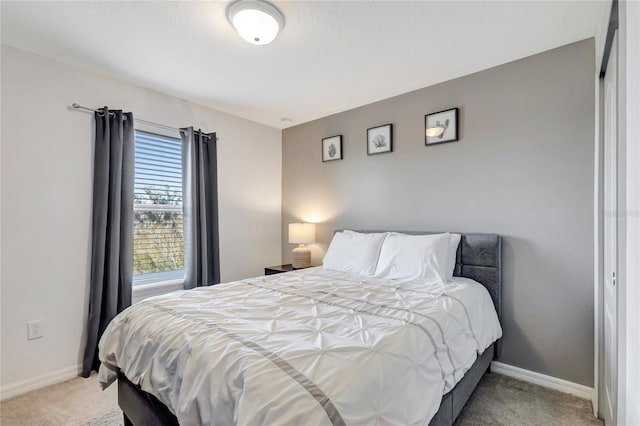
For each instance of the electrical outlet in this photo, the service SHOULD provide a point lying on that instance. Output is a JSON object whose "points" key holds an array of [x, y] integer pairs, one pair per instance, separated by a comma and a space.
{"points": [[34, 330]]}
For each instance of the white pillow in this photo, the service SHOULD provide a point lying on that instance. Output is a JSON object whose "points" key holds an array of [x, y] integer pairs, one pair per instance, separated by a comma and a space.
{"points": [[454, 241], [414, 257], [354, 252]]}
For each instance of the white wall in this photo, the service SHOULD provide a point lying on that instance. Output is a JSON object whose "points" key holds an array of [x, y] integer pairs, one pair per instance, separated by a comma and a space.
{"points": [[46, 185]]}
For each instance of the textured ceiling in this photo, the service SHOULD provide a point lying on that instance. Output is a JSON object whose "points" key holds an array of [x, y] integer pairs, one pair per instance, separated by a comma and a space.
{"points": [[331, 56]]}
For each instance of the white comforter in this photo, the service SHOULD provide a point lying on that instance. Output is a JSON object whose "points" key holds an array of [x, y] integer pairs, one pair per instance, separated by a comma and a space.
{"points": [[311, 347]]}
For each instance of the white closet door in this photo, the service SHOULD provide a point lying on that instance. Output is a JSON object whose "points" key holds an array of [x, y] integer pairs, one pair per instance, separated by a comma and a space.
{"points": [[610, 236]]}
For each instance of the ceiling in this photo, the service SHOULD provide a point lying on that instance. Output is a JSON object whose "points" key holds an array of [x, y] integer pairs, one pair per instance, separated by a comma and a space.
{"points": [[330, 56]]}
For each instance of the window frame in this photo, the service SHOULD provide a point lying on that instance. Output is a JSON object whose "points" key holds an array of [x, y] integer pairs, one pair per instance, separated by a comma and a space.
{"points": [[155, 286]]}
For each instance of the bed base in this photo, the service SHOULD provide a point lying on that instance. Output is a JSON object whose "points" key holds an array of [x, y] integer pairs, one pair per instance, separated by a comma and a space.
{"points": [[453, 402], [141, 408]]}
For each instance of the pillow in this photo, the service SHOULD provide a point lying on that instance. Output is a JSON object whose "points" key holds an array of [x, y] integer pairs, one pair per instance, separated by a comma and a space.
{"points": [[410, 257], [354, 252], [454, 241]]}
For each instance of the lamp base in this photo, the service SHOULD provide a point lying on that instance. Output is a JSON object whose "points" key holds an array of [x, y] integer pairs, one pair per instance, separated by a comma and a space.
{"points": [[301, 257]]}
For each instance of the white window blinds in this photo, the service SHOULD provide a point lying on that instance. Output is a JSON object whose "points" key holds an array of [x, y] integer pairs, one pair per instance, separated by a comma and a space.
{"points": [[158, 242]]}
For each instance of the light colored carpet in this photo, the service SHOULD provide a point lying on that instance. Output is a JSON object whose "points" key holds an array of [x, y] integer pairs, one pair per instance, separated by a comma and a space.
{"points": [[501, 400], [498, 400], [76, 402]]}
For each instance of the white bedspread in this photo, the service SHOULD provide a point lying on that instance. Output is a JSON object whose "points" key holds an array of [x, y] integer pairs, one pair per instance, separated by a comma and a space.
{"points": [[310, 347]]}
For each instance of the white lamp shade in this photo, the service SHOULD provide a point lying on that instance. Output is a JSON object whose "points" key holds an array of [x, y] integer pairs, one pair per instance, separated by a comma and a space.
{"points": [[302, 233]]}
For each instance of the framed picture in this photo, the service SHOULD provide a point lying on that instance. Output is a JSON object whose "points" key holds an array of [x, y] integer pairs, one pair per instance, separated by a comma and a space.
{"points": [[380, 139], [332, 148], [441, 127]]}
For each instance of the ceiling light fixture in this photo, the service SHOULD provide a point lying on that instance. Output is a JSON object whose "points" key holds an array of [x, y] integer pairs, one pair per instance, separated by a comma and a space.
{"points": [[256, 21]]}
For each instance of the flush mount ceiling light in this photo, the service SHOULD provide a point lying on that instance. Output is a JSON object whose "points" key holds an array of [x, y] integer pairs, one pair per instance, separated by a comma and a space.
{"points": [[256, 21]]}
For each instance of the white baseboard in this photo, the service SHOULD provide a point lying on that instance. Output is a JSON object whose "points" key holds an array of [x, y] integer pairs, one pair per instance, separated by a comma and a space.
{"points": [[28, 385], [528, 376], [550, 382]]}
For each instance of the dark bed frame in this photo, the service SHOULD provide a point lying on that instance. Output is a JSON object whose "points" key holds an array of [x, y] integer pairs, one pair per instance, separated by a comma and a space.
{"points": [[479, 257]]}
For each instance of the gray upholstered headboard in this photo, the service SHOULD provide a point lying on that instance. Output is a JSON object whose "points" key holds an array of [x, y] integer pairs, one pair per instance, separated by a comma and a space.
{"points": [[479, 258]]}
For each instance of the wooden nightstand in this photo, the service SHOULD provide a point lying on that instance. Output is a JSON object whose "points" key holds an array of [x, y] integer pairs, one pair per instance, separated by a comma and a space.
{"points": [[278, 269]]}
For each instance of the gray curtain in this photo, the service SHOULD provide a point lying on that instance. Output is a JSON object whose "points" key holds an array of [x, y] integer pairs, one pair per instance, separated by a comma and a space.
{"points": [[200, 203], [112, 233]]}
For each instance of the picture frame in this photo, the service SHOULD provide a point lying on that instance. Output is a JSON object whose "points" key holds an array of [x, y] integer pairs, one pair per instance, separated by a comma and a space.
{"points": [[380, 139], [441, 127], [332, 148]]}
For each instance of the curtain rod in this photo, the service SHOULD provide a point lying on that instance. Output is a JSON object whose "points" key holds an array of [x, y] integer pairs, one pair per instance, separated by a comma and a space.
{"points": [[137, 120]]}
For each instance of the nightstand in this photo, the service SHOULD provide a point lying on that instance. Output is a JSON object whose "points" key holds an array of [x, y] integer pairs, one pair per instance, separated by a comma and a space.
{"points": [[278, 269]]}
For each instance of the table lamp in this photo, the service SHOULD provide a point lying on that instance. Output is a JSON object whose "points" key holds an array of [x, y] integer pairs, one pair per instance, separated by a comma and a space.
{"points": [[302, 233]]}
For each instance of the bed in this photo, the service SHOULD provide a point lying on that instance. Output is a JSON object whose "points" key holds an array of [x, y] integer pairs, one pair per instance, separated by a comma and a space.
{"points": [[381, 353]]}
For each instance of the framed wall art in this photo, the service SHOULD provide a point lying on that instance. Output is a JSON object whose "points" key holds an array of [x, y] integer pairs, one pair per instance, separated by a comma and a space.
{"points": [[441, 127], [380, 139], [332, 148]]}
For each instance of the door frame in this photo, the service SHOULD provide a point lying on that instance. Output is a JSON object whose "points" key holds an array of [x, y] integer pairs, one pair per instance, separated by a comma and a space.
{"points": [[625, 17], [611, 241], [629, 219]]}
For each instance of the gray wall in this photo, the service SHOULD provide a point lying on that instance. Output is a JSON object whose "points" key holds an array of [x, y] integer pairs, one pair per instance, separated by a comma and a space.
{"points": [[524, 168]]}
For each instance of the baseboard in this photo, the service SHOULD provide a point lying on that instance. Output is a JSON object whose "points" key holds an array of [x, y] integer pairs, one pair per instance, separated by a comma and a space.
{"points": [[28, 385], [528, 376], [550, 382]]}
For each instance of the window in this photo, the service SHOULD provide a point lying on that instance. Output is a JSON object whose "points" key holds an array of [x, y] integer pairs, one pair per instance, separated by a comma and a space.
{"points": [[158, 241]]}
